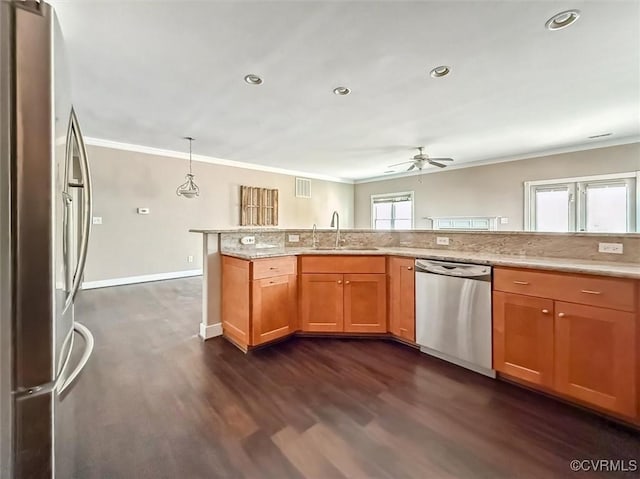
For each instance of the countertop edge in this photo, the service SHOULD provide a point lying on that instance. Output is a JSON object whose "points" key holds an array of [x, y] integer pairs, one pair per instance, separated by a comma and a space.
{"points": [[622, 270]]}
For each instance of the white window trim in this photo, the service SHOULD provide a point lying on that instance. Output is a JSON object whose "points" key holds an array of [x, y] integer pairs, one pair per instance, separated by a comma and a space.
{"points": [[391, 195], [436, 220], [528, 226]]}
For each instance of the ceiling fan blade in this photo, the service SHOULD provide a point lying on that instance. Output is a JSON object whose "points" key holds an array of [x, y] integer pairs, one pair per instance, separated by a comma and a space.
{"points": [[412, 167], [441, 159], [403, 163], [435, 163]]}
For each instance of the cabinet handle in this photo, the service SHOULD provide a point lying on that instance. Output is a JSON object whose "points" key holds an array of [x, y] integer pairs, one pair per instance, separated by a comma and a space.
{"points": [[545, 311], [409, 268], [272, 268], [588, 291], [521, 282], [339, 281], [561, 315], [347, 282]]}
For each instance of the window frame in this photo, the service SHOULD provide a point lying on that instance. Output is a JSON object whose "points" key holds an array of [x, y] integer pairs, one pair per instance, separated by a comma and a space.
{"points": [[390, 196], [577, 187]]}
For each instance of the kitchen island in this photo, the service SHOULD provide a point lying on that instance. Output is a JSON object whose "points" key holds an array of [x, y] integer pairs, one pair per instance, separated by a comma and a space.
{"points": [[564, 325]]}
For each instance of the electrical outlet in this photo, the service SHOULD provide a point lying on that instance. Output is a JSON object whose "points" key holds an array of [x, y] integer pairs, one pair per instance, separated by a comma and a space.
{"points": [[615, 248], [504, 220], [442, 240], [294, 238], [248, 240], [143, 211], [97, 220], [189, 259]]}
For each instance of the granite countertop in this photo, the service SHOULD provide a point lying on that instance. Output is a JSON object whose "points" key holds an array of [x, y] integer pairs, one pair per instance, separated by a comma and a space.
{"points": [[605, 268]]}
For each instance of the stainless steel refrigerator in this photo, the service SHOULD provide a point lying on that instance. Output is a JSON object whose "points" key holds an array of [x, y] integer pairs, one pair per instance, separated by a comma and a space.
{"points": [[45, 218]]}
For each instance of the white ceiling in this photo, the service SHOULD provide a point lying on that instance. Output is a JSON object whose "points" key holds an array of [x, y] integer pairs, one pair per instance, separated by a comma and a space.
{"points": [[149, 73]]}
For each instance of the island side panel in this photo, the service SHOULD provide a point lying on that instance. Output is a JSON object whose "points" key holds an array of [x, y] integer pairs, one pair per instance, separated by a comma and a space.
{"points": [[211, 325]]}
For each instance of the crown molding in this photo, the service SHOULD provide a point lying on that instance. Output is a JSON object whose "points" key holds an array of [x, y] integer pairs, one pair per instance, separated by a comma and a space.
{"points": [[628, 140], [116, 145]]}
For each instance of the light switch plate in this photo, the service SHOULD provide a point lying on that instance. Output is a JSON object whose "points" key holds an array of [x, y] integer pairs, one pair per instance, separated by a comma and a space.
{"points": [[442, 240], [143, 211], [294, 238], [97, 220], [615, 248], [248, 240]]}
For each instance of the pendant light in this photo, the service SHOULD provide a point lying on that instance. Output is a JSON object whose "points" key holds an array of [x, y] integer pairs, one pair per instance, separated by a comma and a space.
{"points": [[188, 189]]}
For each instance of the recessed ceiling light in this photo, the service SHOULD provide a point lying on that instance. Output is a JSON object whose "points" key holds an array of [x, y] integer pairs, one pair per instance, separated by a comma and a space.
{"points": [[341, 90], [602, 135], [252, 79], [562, 20], [440, 71]]}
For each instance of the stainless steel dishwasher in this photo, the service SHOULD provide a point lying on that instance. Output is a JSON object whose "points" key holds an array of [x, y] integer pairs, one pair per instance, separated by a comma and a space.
{"points": [[453, 313]]}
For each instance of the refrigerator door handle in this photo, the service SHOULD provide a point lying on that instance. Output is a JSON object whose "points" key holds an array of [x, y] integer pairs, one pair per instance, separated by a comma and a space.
{"points": [[86, 354], [85, 184]]}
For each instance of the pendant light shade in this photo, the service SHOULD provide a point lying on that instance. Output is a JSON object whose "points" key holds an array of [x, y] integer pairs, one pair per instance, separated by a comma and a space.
{"points": [[188, 189]]}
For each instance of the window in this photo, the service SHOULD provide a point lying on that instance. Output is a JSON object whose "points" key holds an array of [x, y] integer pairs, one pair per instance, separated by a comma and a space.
{"points": [[597, 204], [474, 223], [392, 211]]}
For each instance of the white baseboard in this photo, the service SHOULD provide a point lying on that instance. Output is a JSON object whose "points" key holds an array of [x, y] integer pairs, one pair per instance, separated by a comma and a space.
{"points": [[210, 331], [140, 279]]}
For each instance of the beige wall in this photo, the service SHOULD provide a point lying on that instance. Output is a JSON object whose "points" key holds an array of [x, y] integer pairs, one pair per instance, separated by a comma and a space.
{"points": [[492, 190], [128, 244]]}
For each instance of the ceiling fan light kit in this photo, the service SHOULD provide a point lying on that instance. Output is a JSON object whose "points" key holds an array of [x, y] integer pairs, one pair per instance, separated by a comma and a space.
{"points": [[188, 189]]}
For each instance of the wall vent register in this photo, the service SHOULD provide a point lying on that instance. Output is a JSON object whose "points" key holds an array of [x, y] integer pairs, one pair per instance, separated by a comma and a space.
{"points": [[303, 188]]}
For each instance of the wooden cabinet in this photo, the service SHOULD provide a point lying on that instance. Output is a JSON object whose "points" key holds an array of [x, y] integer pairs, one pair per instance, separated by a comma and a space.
{"points": [[273, 308], [321, 302], [259, 299], [575, 335], [402, 314], [365, 301], [595, 356], [354, 303], [236, 283], [523, 337], [333, 299]]}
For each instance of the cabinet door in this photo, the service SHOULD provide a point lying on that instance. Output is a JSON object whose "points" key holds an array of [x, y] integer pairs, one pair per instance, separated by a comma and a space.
{"points": [[523, 337], [595, 356], [402, 314], [235, 300], [365, 303], [321, 302], [273, 312]]}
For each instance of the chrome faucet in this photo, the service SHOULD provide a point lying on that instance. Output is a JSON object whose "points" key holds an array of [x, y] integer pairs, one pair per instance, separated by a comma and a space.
{"points": [[335, 223], [314, 236]]}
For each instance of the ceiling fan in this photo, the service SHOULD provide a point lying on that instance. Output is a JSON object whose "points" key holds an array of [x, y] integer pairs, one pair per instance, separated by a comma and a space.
{"points": [[419, 161]]}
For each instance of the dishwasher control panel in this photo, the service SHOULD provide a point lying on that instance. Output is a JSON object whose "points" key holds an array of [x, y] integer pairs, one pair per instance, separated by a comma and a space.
{"points": [[447, 268]]}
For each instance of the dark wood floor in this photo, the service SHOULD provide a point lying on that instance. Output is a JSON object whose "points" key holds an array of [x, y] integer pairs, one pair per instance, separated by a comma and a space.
{"points": [[156, 402]]}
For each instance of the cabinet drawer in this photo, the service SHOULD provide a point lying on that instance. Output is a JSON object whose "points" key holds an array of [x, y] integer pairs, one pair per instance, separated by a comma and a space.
{"points": [[270, 267], [342, 264], [602, 291]]}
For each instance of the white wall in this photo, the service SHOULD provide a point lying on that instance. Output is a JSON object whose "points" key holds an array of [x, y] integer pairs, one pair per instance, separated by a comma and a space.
{"points": [[492, 190], [127, 244]]}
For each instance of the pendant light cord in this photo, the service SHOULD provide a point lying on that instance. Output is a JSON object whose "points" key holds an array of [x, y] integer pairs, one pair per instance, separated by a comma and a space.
{"points": [[190, 140]]}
